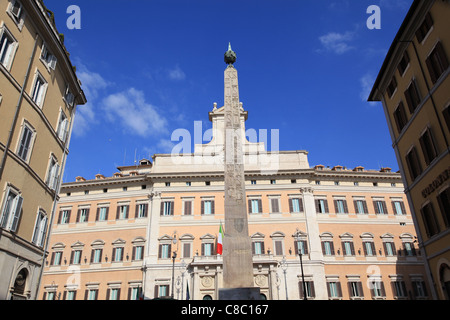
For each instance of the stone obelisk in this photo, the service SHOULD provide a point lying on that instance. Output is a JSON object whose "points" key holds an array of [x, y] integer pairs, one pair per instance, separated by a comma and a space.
{"points": [[237, 253]]}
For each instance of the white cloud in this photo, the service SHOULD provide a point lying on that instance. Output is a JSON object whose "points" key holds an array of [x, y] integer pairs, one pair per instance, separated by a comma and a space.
{"points": [[130, 110], [367, 81], [337, 42], [176, 74], [91, 83]]}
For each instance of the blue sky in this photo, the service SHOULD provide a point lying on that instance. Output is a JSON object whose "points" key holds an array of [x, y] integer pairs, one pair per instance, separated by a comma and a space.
{"points": [[305, 67]]}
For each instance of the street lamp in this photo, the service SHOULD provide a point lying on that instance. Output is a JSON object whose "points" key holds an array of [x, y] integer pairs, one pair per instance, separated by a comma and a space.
{"points": [[284, 267], [174, 255], [297, 238]]}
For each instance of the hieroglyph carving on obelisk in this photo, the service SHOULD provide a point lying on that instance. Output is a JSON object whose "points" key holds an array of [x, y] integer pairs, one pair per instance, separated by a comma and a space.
{"points": [[237, 253]]}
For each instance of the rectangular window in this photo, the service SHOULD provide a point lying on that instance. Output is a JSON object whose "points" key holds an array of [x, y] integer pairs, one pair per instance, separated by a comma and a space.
{"points": [[444, 205], [8, 47], [389, 248], [63, 127], [11, 210], [419, 288], [310, 292], [164, 251], [138, 253], [187, 250], [83, 215], [360, 206], [275, 205], [207, 207], [412, 161], [163, 290], [187, 208], [328, 248], [40, 229], [96, 255], [70, 295], [369, 248], [75, 257], [412, 96], [348, 248], [258, 247], [392, 87], [334, 290], [69, 97], [117, 255], [52, 174], [380, 207], [102, 214], [429, 220], [167, 208], [437, 62], [399, 289], [295, 205], [398, 207], [424, 28], [403, 63], [400, 117], [56, 258], [64, 216], [48, 58], [207, 249], [92, 294], [321, 205], [141, 210], [302, 245], [39, 89], [355, 289], [409, 249], [255, 205], [428, 146], [122, 212], [340, 206], [377, 289], [25, 142], [278, 244], [114, 294]]}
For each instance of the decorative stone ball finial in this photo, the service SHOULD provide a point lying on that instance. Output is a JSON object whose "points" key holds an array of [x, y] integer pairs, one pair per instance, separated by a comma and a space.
{"points": [[230, 56]]}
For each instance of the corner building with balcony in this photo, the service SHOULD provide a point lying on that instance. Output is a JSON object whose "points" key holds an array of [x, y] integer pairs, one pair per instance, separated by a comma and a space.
{"points": [[152, 230], [39, 93], [414, 86]]}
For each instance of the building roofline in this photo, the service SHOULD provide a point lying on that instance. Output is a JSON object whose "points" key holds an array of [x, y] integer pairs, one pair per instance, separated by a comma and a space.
{"points": [[373, 96]]}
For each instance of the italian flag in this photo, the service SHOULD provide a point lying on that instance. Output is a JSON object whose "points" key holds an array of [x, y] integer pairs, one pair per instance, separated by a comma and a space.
{"points": [[220, 240]]}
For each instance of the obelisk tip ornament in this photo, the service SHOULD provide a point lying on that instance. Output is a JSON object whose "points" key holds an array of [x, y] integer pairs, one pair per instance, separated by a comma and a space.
{"points": [[230, 55], [237, 253]]}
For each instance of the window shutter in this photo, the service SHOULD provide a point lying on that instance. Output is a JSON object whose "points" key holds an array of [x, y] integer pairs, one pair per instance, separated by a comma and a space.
{"points": [[291, 209], [278, 248], [145, 209], [171, 208], [127, 208], [203, 207], [431, 69], [98, 214], [78, 215], [383, 291], [305, 246], [300, 204], [113, 256], [323, 247], [118, 212], [186, 250], [328, 290], [350, 290], [326, 206], [352, 247], [442, 56], [108, 292], [71, 257], [374, 251], [60, 216], [383, 203], [212, 206], [339, 289], [259, 206], [203, 249], [17, 212], [300, 288], [312, 289], [86, 294], [106, 213], [92, 255], [335, 206], [52, 259], [136, 211], [187, 208], [345, 206], [317, 206], [249, 206], [332, 247], [375, 207], [295, 247], [159, 251], [253, 248], [262, 248], [162, 209]]}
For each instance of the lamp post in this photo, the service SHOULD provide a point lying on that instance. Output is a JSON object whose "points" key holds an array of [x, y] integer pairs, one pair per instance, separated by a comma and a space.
{"points": [[174, 255], [297, 238], [284, 266]]}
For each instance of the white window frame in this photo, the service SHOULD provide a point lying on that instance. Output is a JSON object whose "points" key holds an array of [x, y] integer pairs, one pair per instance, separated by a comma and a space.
{"points": [[18, 18], [11, 209], [48, 58], [10, 50], [63, 126], [26, 157], [68, 98], [38, 94], [52, 173], [40, 228]]}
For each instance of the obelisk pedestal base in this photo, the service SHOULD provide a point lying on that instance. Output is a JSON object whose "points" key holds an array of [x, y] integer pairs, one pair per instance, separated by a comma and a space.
{"points": [[252, 293]]}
